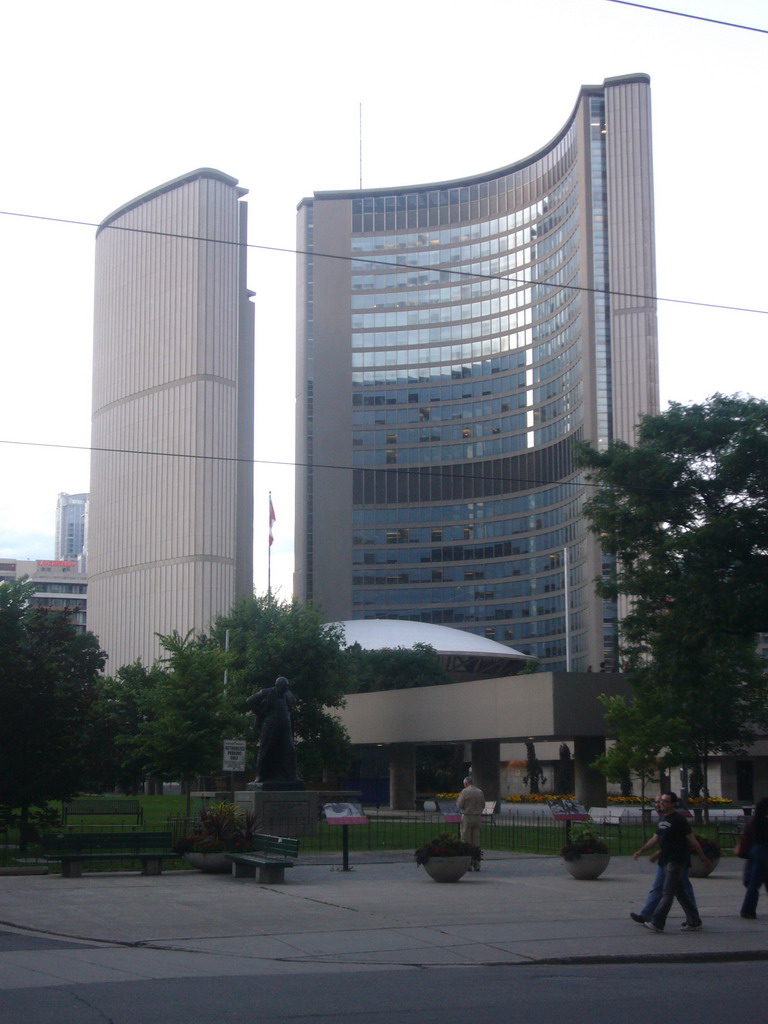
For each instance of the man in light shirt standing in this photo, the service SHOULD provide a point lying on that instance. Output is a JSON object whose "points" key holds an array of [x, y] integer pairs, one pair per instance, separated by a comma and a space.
{"points": [[471, 803]]}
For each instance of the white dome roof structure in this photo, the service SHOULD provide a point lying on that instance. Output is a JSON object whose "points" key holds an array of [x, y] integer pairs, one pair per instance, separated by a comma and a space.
{"points": [[464, 655]]}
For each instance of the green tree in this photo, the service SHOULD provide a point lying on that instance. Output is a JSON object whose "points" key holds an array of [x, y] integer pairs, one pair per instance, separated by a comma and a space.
{"points": [[642, 727], [685, 514], [267, 638], [125, 705], [713, 696], [395, 668], [181, 736], [47, 701]]}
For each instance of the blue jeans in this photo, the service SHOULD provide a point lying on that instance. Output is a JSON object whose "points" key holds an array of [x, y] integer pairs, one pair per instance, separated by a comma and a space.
{"points": [[674, 888], [654, 894], [755, 875]]}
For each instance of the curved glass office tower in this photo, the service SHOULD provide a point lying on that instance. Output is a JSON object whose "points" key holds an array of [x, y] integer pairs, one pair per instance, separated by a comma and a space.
{"points": [[454, 340], [170, 541]]}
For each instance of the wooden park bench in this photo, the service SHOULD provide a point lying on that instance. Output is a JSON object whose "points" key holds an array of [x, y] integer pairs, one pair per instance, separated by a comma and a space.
{"points": [[606, 823], [730, 823], [73, 849], [104, 806], [269, 857], [530, 811], [605, 817]]}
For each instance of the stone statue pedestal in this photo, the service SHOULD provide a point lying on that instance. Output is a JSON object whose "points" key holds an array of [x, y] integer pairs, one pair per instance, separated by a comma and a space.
{"points": [[282, 812]]}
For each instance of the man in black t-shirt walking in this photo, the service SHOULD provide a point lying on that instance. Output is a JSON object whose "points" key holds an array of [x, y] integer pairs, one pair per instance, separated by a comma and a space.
{"points": [[676, 840]]}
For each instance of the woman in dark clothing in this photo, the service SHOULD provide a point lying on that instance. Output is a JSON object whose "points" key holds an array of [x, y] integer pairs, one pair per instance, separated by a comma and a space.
{"points": [[756, 869]]}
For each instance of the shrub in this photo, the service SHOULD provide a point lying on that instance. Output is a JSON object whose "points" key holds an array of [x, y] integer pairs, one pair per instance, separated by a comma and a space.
{"points": [[221, 828], [447, 845], [583, 840]]}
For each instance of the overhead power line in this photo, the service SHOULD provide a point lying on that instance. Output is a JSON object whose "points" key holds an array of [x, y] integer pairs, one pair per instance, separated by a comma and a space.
{"points": [[458, 470], [511, 279], [410, 470], [693, 17]]}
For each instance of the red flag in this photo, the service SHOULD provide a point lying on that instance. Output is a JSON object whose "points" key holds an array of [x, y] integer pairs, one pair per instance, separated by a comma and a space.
{"points": [[272, 518]]}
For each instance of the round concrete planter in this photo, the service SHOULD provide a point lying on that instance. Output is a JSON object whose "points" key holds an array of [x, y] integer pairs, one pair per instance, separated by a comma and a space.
{"points": [[447, 869], [699, 869], [588, 866], [213, 863]]}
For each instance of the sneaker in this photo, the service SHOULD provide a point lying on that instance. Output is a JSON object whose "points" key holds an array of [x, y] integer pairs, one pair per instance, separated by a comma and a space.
{"points": [[637, 918], [650, 925], [750, 917], [685, 927]]}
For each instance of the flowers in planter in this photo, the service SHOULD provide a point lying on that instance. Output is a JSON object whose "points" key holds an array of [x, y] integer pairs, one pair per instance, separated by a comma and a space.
{"points": [[714, 801], [582, 840], [447, 845], [221, 828], [538, 798]]}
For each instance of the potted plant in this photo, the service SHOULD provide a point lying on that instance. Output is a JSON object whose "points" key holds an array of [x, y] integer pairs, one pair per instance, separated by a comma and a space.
{"points": [[711, 850], [221, 828], [446, 857], [585, 855]]}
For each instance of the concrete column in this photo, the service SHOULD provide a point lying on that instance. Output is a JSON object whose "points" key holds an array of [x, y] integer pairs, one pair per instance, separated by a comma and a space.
{"points": [[402, 776], [486, 771], [591, 788]]}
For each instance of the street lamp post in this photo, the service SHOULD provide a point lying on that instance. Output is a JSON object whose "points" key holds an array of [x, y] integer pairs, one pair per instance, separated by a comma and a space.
{"points": [[567, 612]]}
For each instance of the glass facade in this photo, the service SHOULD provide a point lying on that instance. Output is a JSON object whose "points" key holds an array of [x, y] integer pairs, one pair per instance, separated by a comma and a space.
{"points": [[478, 348], [71, 515], [475, 357]]}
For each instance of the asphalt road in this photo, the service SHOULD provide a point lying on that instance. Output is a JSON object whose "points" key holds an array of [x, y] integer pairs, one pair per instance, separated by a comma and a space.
{"points": [[625, 994], [521, 941]]}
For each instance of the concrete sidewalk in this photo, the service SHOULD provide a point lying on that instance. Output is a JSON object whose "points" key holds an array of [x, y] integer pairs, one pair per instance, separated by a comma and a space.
{"points": [[385, 913]]}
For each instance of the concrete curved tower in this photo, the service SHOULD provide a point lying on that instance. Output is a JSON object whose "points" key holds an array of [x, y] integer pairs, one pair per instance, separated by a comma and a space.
{"points": [[171, 506], [465, 335]]}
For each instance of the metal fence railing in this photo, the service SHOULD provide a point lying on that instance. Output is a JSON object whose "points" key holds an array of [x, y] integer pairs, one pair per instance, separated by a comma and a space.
{"points": [[386, 831]]}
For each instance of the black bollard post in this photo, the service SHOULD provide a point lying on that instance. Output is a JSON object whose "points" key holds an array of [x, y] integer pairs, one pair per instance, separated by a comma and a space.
{"points": [[345, 847]]}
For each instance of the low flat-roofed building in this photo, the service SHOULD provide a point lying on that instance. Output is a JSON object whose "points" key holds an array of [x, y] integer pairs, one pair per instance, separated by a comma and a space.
{"points": [[59, 585]]}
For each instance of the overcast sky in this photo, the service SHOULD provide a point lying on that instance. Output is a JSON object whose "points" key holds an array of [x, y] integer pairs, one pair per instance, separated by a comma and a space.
{"points": [[104, 101]]}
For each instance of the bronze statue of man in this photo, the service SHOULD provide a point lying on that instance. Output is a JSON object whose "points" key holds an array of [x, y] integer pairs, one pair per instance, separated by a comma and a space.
{"points": [[276, 760]]}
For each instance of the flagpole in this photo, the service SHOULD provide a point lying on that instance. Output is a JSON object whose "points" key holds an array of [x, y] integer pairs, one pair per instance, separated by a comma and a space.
{"points": [[272, 519], [269, 550]]}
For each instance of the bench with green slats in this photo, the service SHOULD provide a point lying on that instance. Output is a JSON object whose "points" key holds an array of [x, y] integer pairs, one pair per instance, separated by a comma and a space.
{"points": [[269, 858], [73, 849]]}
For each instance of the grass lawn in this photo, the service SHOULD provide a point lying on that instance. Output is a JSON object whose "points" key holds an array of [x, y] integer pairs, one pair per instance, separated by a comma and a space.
{"points": [[389, 833], [157, 810], [384, 832]]}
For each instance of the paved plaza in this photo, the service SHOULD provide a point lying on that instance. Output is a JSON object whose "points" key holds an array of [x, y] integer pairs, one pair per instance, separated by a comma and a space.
{"points": [[383, 914]]}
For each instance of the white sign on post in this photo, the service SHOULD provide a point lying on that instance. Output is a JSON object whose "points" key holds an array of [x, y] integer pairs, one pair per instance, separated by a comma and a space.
{"points": [[234, 756]]}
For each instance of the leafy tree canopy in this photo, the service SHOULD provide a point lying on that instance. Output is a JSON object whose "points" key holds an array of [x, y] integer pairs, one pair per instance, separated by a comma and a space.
{"points": [[125, 706], [184, 723], [267, 638], [47, 699], [714, 698], [643, 726], [396, 668], [685, 512]]}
